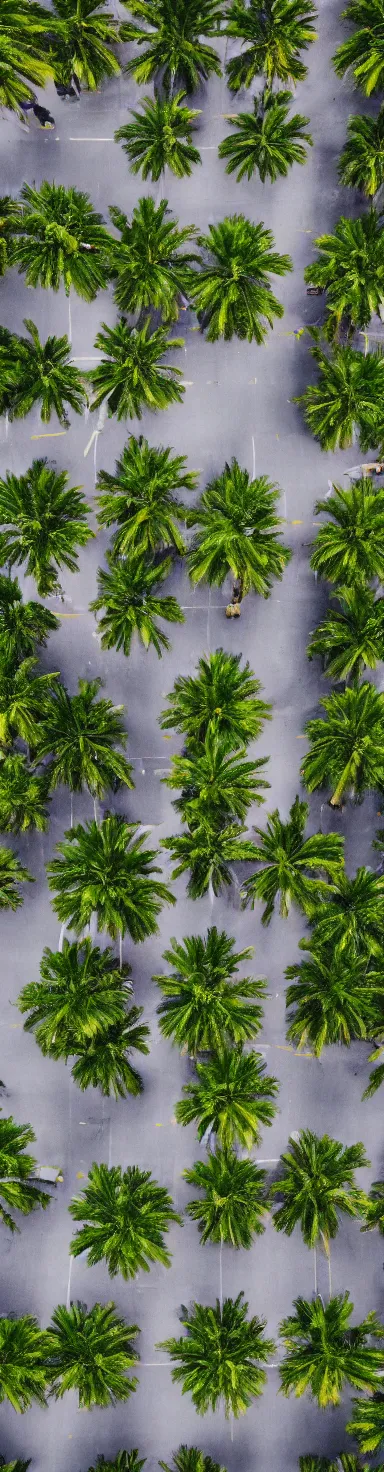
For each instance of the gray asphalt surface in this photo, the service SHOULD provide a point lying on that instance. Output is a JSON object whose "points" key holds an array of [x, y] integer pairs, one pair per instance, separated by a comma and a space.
{"points": [[238, 401]]}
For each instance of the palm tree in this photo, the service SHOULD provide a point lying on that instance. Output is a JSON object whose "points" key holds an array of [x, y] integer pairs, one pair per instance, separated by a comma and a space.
{"points": [[81, 733], [87, 32], [206, 1006], [347, 747], [345, 405], [33, 372], [237, 532], [317, 1183], [173, 45], [104, 870], [353, 917], [14, 1466], [12, 874], [104, 1062], [23, 701], [160, 137], [222, 1356], [324, 1352], [16, 1189], [24, 1373], [44, 522], [61, 240], [345, 1462], [140, 499], [23, 796], [123, 1462], [266, 140], [367, 1424], [9, 219], [286, 857], [130, 604], [376, 1077], [23, 53], [351, 637], [232, 291], [349, 548], [215, 782], [82, 992], [22, 625], [374, 1208], [126, 1216], [363, 52], [190, 1459], [208, 849], [150, 268], [334, 998], [131, 375], [91, 1352], [273, 35], [232, 1098], [222, 696], [361, 164], [351, 270], [234, 1198]]}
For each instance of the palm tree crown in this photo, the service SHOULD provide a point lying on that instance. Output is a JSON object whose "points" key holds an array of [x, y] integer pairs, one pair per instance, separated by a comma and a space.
{"points": [[317, 1182], [363, 52], [323, 1352], [16, 1167], [190, 1459], [353, 916], [44, 522], [361, 164], [32, 372], [173, 44], [232, 290], [221, 1356], [9, 219], [286, 857], [104, 1062], [126, 1216], [215, 782], [347, 400], [238, 528], [22, 625], [233, 1203], [61, 240], [23, 52], [123, 1462], [351, 637], [374, 1208], [23, 795], [205, 1005], [334, 998], [367, 1424], [222, 696], [23, 1362], [160, 137], [81, 733], [82, 992], [232, 1098], [267, 140], [105, 870], [90, 1353], [151, 268], [23, 701], [130, 603], [349, 548], [12, 874], [87, 33], [351, 270], [140, 499], [347, 746], [131, 375], [273, 35], [208, 849]]}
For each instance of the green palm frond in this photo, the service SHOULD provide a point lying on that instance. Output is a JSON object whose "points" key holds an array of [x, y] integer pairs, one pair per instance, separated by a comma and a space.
{"points": [[140, 499], [350, 268], [106, 870], [190, 1459], [23, 796], [208, 850], [216, 783], [286, 857], [351, 637], [315, 1185], [361, 164], [272, 36], [222, 696], [43, 523], [221, 1356], [335, 998], [17, 1191], [324, 1353], [123, 1462], [36, 372], [126, 1216], [160, 137], [346, 403], [87, 34], [82, 992], [22, 625], [374, 1208], [266, 140], [367, 1424], [61, 240], [173, 40], [24, 61], [149, 265], [232, 291], [353, 916], [237, 531], [232, 1098], [349, 547], [233, 1203], [131, 376], [81, 733], [103, 1062], [347, 744], [363, 51], [24, 1374], [90, 1353], [12, 874], [205, 1005], [130, 603], [23, 700]]}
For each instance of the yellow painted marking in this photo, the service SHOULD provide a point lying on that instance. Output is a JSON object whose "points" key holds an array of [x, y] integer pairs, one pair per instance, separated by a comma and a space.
{"points": [[15, 1024], [70, 615], [158, 1126], [51, 435], [296, 523], [283, 1048], [168, 737], [80, 1175], [301, 737]]}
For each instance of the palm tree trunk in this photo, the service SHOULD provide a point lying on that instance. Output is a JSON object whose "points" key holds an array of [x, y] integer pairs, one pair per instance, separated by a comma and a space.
{"points": [[335, 801]]}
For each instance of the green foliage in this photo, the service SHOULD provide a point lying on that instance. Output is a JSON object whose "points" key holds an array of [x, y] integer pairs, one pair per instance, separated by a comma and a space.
{"points": [[160, 137], [350, 269], [33, 372], [208, 850], [23, 796], [286, 857], [221, 1357], [14, 1466], [234, 1201], [376, 1077], [16, 1189], [346, 403], [9, 218], [351, 637], [374, 1208], [126, 1216], [237, 532], [345, 1462], [349, 548], [12, 874], [335, 1000], [105, 870], [190, 1459], [23, 701], [81, 733], [363, 51], [215, 782], [131, 376], [367, 1424], [90, 1353], [173, 45], [82, 992], [266, 140], [361, 164], [22, 625], [353, 916], [61, 240], [23, 54], [23, 1362], [221, 696], [87, 33], [129, 602], [140, 499], [347, 746], [232, 1098], [273, 34], [150, 268], [123, 1462], [103, 1063], [316, 1184], [44, 521], [205, 1005], [324, 1353], [232, 291]]}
